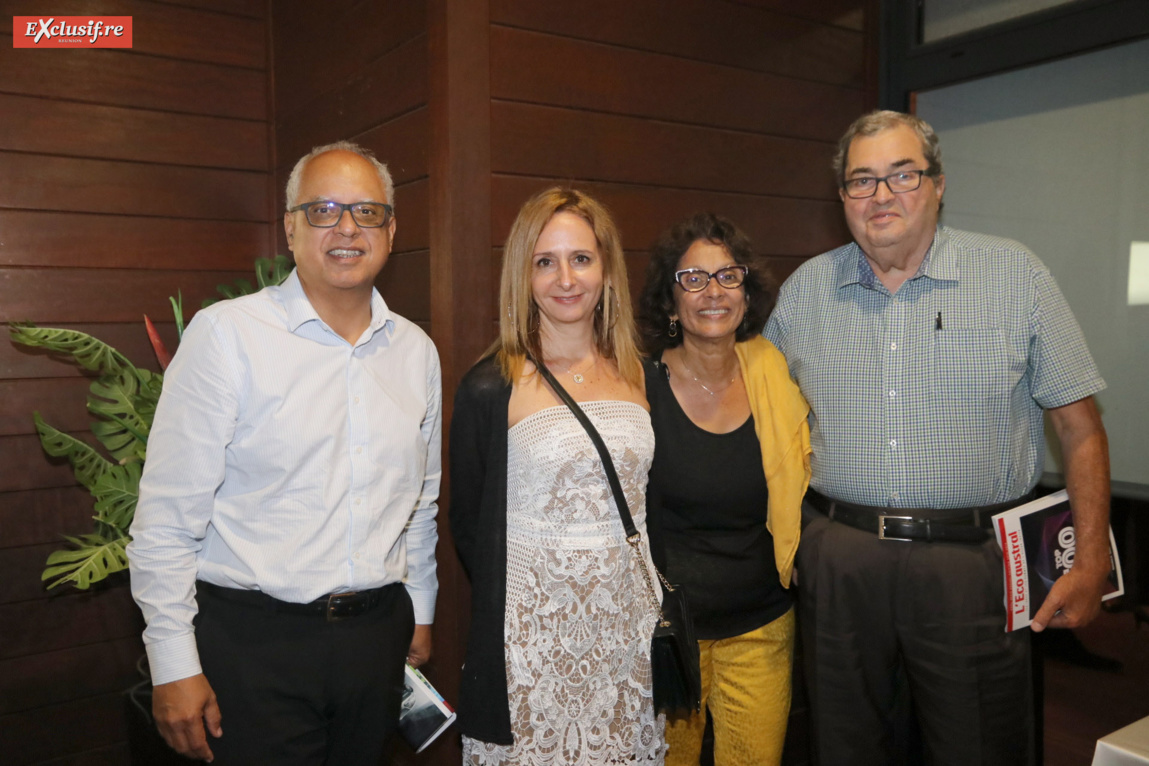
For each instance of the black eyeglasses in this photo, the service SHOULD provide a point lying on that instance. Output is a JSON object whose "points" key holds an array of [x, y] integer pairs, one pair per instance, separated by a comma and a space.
{"points": [[325, 215], [898, 183], [694, 280]]}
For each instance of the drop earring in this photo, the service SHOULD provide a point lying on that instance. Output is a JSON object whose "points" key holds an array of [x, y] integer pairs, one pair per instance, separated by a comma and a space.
{"points": [[673, 331]]}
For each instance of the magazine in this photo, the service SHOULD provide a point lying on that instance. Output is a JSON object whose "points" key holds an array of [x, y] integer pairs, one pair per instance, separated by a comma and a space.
{"points": [[1037, 546], [424, 714]]}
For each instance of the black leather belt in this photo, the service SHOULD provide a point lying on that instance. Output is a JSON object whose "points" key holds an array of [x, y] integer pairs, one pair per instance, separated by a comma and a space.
{"points": [[951, 525], [333, 607]]}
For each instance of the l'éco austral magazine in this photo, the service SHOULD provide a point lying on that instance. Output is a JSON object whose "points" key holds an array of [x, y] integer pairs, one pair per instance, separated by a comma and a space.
{"points": [[1037, 546], [424, 714]]}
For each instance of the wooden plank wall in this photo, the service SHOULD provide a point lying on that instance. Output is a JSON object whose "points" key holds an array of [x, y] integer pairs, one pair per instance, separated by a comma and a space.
{"points": [[125, 175], [358, 71], [662, 108]]}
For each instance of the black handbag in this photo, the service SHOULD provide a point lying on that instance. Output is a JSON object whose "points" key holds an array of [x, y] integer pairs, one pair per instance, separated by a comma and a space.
{"points": [[675, 677]]}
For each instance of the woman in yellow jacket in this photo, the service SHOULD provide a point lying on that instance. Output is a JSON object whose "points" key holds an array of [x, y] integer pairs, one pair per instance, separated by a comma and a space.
{"points": [[731, 464]]}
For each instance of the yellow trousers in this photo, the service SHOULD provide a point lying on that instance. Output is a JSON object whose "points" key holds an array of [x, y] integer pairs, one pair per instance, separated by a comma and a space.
{"points": [[746, 686]]}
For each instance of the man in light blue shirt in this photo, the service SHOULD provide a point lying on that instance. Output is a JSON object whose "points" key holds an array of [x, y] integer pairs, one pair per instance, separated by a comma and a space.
{"points": [[929, 357], [283, 546]]}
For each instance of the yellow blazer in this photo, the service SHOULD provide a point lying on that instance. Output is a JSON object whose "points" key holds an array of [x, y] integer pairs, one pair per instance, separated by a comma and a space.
{"points": [[780, 423]]}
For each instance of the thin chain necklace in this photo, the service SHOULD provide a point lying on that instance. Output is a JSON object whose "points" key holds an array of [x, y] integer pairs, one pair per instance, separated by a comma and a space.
{"points": [[704, 386], [577, 376]]}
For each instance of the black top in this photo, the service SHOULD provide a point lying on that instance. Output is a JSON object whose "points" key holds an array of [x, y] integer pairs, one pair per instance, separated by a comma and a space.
{"points": [[709, 493], [478, 515]]}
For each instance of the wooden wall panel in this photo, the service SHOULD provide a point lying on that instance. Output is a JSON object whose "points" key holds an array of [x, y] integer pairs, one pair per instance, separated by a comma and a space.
{"points": [[47, 625], [412, 216], [319, 53], [723, 33], [46, 734], [395, 84], [122, 78], [50, 296], [848, 14], [49, 127], [778, 226], [252, 8], [51, 678], [405, 285], [38, 238], [547, 69], [26, 467], [60, 401], [565, 143], [38, 182], [39, 516], [125, 176]]}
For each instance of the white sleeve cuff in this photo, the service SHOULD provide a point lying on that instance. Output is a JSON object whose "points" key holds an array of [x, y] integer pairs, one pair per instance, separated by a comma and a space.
{"points": [[173, 659]]}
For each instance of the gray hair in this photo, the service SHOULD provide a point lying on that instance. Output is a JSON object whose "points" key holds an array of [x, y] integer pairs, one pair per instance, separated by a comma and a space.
{"points": [[339, 146], [877, 121]]}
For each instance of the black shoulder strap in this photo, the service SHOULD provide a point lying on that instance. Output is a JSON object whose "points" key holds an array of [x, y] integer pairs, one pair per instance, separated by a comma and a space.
{"points": [[592, 432]]}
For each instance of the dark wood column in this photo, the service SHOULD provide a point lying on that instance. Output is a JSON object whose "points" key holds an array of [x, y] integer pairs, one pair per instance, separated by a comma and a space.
{"points": [[463, 287]]}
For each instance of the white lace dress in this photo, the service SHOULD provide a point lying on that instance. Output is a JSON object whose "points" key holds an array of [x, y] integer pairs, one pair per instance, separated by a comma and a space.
{"points": [[578, 618]]}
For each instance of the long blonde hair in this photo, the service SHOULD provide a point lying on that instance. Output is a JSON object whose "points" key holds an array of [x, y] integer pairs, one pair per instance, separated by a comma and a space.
{"points": [[614, 331]]}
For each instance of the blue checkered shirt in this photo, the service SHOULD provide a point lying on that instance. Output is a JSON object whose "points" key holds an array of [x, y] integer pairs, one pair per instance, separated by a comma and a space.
{"points": [[912, 411]]}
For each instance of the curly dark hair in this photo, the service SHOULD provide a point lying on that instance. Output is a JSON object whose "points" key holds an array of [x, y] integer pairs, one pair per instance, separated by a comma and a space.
{"points": [[657, 301]]}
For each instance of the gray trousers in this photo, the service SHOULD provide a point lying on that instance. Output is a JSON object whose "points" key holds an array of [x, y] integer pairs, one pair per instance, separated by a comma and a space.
{"points": [[889, 626]]}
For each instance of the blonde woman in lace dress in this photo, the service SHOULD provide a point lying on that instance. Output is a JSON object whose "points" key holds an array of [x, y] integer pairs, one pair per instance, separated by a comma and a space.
{"points": [[557, 668]]}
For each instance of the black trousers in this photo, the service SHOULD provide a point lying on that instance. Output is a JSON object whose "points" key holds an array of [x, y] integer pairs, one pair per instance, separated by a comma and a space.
{"points": [[889, 626], [296, 689]]}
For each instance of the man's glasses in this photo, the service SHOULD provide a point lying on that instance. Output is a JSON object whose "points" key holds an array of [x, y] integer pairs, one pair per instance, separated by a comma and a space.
{"points": [[694, 280], [898, 183], [325, 215]]}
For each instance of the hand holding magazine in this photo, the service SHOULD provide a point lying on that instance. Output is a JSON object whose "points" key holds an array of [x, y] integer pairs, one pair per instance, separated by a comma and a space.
{"points": [[424, 714], [1037, 547]]}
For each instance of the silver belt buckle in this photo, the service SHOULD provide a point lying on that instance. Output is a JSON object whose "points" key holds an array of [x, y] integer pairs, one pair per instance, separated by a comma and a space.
{"points": [[882, 527]]}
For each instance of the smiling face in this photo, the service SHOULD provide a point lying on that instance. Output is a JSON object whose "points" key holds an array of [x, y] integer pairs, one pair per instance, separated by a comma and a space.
{"points": [[891, 226], [566, 272], [715, 311], [346, 258]]}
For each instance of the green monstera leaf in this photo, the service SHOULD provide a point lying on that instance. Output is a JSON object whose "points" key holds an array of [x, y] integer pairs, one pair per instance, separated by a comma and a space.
{"points": [[268, 271], [90, 559], [116, 493], [88, 465], [86, 351], [126, 404]]}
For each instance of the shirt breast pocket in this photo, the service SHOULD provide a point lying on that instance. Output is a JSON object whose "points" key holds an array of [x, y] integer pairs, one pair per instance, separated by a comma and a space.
{"points": [[974, 364]]}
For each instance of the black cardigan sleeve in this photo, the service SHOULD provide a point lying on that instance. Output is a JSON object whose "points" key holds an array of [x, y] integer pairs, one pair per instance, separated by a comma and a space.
{"points": [[478, 517]]}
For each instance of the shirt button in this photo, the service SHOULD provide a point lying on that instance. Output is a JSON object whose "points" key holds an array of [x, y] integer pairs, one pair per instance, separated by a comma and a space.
{"points": [[357, 400], [893, 394], [893, 442], [358, 450], [357, 556], [893, 347], [893, 495], [359, 501]]}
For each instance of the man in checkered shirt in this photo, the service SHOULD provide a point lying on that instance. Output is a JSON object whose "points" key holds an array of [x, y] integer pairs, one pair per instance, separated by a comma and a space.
{"points": [[929, 357]]}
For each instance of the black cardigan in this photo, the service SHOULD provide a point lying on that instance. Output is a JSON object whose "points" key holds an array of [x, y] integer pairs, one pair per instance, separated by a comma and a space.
{"points": [[478, 515]]}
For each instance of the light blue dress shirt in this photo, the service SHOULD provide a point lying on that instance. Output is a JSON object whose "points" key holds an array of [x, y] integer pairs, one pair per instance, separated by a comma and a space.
{"points": [[286, 460], [931, 397]]}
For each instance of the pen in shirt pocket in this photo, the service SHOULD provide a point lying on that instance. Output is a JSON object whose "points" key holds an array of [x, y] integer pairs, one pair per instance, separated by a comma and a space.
{"points": [[938, 322]]}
